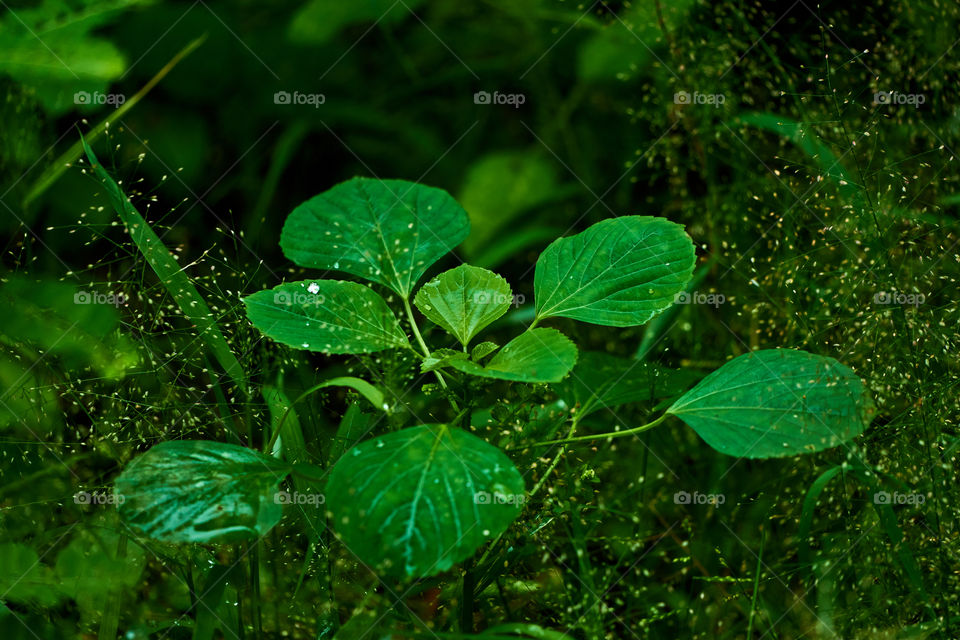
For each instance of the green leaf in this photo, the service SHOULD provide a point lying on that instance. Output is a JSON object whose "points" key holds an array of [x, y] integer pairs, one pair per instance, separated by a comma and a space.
{"points": [[201, 491], [91, 570], [51, 47], [76, 325], [329, 316], [464, 300], [386, 231], [633, 42], [440, 358], [776, 402], [603, 381], [482, 350], [619, 272], [537, 355], [417, 501], [502, 185], [317, 21], [24, 579], [171, 274]]}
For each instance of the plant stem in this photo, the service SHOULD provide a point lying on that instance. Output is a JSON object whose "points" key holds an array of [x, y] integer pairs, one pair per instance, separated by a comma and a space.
{"points": [[426, 350], [612, 434]]}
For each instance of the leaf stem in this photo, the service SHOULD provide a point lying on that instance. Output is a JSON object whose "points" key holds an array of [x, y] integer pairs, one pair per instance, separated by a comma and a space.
{"points": [[426, 350], [612, 434]]}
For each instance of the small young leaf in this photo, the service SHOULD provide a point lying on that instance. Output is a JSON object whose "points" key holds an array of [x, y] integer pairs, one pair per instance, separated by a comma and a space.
{"points": [[464, 300], [440, 358], [417, 501], [482, 350], [619, 272], [330, 316], [603, 381], [776, 402], [201, 491], [386, 231], [537, 355]]}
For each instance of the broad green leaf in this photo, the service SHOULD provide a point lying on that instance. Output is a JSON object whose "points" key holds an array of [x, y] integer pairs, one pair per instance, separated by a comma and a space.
{"points": [[24, 579], [91, 570], [502, 185], [776, 402], [76, 325], [619, 272], [464, 300], [537, 355], [51, 47], [171, 274], [201, 491], [417, 501], [329, 316], [603, 381], [319, 20], [386, 231]]}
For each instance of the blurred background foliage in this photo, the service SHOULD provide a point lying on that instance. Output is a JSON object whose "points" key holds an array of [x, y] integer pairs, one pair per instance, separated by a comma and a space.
{"points": [[756, 124]]}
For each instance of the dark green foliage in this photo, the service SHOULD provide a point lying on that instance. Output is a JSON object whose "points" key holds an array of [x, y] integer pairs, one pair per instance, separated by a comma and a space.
{"points": [[797, 159]]}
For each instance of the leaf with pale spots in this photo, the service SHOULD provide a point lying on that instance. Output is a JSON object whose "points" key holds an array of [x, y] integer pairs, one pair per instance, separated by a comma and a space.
{"points": [[417, 501], [464, 300], [776, 402], [619, 272], [201, 491], [330, 316], [537, 355], [386, 231]]}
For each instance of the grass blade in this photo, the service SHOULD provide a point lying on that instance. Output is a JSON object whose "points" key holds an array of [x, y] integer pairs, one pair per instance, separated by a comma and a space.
{"points": [[171, 275]]}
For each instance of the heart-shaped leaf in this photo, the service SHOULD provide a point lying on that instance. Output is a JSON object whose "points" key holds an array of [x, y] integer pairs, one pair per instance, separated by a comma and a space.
{"points": [[386, 231], [330, 316], [537, 355], [464, 300], [776, 402], [417, 501], [201, 491], [603, 381], [618, 273]]}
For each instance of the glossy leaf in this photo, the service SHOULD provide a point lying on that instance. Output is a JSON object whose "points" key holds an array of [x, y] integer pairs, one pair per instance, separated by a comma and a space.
{"points": [[604, 381], [464, 300], [482, 350], [619, 272], [776, 402], [537, 355], [201, 491], [417, 501], [330, 316], [386, 231]]}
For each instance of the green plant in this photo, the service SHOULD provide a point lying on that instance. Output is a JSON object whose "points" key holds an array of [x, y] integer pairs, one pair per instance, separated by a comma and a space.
{"points": [[418, 500]]}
